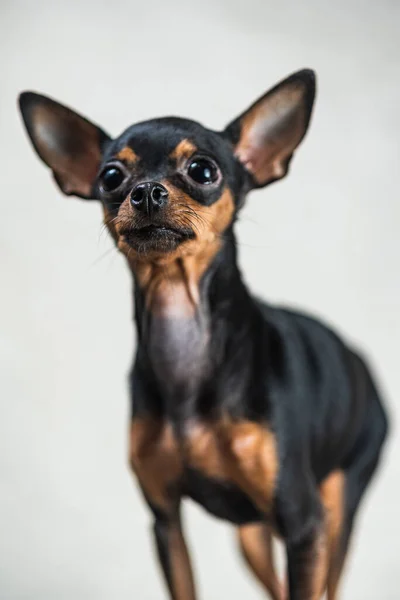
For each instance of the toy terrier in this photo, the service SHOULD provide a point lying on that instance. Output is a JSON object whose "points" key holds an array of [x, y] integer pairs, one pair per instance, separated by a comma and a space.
{"points": [[260, 414]]}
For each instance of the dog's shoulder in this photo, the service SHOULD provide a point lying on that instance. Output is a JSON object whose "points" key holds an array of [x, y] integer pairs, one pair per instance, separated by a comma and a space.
{"points": [[306, 354], [292, 323]]}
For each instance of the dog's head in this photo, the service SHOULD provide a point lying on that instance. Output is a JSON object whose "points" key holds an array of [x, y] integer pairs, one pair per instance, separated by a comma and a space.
{"points": [[170, 187]]}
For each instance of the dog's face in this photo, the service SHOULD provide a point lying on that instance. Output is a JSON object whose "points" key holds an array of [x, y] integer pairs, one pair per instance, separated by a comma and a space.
{"points": [[170, 187]]}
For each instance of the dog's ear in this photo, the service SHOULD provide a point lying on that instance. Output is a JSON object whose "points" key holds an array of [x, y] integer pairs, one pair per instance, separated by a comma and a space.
{"points": [[66, 142], [266, 135]]}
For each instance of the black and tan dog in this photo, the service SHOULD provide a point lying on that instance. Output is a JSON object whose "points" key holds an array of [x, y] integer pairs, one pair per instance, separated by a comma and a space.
{"points": [[261, 415]]}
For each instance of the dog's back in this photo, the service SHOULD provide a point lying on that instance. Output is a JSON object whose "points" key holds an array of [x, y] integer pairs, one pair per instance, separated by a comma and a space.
{"points": [[329, 390]]}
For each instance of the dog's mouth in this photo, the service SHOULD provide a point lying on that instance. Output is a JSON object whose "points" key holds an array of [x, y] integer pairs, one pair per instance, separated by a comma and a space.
{"points": [[163, 238]]}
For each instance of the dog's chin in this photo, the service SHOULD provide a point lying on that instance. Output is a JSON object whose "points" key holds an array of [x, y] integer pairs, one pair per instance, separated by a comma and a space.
{"points": [[156, 239]]}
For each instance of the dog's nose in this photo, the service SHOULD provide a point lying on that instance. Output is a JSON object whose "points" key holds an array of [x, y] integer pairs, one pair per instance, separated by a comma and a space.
{"points": [[149, 197]]}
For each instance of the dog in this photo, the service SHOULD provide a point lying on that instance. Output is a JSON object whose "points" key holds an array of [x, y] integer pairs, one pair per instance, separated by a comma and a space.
{"points": [[260, 414]]}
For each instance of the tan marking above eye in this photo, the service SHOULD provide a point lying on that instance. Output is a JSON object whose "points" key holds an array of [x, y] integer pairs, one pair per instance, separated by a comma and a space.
{"points": [[183, 150], [128, 155]]}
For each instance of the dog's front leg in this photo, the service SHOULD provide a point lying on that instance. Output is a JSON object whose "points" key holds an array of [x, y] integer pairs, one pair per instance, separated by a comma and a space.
{"points": [[308, 565], [173, 556], [156, 462], [304, 529]]}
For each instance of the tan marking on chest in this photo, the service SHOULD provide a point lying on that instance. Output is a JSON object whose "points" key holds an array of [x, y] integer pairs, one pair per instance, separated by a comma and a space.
{"points": [[243, 453], [156, 460]]}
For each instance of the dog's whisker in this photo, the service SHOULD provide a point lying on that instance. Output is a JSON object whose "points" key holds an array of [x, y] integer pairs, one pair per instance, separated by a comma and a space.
{"points": [[102, 257]]}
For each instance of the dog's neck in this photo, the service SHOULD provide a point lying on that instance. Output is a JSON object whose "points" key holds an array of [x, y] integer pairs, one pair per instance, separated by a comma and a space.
{"points": [[185, 323]]}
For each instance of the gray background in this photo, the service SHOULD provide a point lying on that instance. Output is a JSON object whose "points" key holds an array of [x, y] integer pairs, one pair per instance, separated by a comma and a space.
{"points": [[327, 239]]}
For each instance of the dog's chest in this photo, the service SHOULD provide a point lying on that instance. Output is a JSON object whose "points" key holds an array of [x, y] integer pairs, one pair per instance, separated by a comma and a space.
{"points": [[229, 468], [177, 338]]}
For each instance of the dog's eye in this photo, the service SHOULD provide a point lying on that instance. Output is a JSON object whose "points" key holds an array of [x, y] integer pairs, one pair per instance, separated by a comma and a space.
{"points": [[111, 178], [203, 171]]}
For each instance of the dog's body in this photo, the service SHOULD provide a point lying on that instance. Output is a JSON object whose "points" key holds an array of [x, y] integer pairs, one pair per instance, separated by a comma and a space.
{"points": [[261, 415]]}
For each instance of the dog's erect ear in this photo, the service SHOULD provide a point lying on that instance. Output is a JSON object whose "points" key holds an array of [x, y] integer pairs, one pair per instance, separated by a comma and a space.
{"points": [[266, 135], [69, 144]]}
